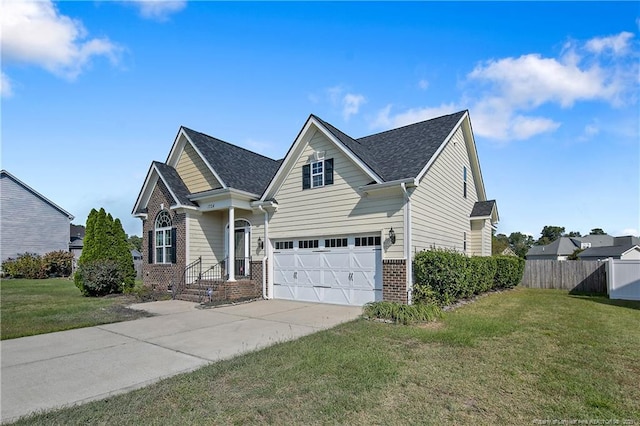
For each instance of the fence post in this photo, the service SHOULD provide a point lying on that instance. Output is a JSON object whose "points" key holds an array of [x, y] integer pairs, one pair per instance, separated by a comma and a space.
{"points": [[610, 275]]}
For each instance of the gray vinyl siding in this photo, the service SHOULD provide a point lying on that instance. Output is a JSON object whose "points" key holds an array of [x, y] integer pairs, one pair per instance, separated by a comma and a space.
{"points": [[440, 213], [29, 223], [336, 209], [194, 172]]}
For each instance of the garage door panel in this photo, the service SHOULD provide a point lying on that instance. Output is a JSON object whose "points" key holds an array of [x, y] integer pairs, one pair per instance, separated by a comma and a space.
{"points": [[345, 275]]}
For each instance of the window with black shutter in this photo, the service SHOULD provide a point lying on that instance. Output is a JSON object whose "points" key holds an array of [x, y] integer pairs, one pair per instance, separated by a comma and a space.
{"points": [[317, 174]]}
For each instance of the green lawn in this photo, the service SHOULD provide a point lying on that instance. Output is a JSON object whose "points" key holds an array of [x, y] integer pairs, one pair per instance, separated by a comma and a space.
{"points": [[29, 307], [509, 358]]}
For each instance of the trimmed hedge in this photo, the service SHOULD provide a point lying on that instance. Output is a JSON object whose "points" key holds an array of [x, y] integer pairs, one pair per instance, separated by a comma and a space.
{"points": [[444, 276]]}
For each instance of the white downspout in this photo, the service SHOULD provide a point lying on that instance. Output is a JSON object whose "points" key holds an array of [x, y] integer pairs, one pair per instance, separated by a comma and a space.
{"points": [[407, 241], [266, 251]]}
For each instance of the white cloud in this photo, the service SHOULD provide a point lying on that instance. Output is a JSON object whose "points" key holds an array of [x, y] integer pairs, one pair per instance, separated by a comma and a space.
{"points": [[503, 94], [384, 119], [590, 130], [158, 10], [531, 80], [351, 104], [34, 32], [5, 86], [618, 44], [423, 84]]}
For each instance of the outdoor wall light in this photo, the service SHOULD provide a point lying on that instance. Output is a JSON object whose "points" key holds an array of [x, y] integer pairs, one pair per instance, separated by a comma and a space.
{"points": [[392, 236], [260, 243]]}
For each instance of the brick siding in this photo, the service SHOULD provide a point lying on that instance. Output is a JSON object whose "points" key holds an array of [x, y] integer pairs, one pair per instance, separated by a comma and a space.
{"points": [[160, 276], [394, 280]]}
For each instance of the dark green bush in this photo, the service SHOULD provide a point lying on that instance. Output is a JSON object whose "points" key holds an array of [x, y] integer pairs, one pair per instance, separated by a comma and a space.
{"points": [[509, 272], [25, 265], [444, 276], [400, 313], [482, 271], [58, 263], [439, 274], [99, 278]]}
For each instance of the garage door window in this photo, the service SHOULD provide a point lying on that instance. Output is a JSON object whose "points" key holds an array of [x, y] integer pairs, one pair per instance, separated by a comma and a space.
{"points": [[367, 241], [284, 245], [308, 244], [336, 242]]}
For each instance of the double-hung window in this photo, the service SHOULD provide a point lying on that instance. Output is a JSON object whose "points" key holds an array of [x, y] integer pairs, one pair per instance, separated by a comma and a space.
{"points": [[317, 174]]}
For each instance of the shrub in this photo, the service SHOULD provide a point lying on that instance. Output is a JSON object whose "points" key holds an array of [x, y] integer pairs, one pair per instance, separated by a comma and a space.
{"points": [[58, 263], [482, 271], [99, 278], [25, 265], [400, 313], [439, 274], [509, 272]]}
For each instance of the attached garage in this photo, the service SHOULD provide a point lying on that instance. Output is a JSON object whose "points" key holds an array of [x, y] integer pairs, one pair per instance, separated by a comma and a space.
{"points": [[343, 270]]}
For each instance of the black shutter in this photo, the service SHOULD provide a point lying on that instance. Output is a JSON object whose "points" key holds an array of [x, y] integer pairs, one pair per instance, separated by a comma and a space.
{"points": [[174, 243], [306, 176], [150, 246], [328, 171]]}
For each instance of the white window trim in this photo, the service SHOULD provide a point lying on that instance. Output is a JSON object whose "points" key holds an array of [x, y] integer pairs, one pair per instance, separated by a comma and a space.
{"points": [[166, 249], [320, 173]]}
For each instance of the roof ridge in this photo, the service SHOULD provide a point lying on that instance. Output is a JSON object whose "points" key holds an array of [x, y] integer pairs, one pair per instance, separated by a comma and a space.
{"points": [[229, 143], [409, 125]]}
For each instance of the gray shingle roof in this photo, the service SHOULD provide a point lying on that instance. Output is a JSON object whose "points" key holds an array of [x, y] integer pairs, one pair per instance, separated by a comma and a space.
{"points": [[603, 252], [403, 153], [563, 246], [483, 208], [239, 168], [175, 183]]}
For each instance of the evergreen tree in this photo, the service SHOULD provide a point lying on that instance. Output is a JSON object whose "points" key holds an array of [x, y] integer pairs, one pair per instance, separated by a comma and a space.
{"points": [[123, 254], [105, 240]]}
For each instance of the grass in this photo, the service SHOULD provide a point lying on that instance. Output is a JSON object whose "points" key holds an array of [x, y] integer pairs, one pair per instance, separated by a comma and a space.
{"points": [[42, 306], [509, 358]]}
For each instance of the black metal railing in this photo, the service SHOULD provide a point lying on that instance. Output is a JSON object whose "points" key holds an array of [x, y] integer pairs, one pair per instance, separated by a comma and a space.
{"points": [[188, 277], [242, 267]]}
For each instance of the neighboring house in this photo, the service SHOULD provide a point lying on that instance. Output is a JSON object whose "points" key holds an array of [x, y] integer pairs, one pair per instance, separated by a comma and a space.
{"points": [[623, 248], [29, 221], [77, 240], [564, 247], [338, 220]]}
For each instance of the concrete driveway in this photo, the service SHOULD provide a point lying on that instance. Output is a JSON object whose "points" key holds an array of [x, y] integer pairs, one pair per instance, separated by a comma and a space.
{"points": [[69, 367]]}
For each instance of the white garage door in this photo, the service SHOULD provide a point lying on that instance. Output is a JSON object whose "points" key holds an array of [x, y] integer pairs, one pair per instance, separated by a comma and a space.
{"points": [[345, 271]]}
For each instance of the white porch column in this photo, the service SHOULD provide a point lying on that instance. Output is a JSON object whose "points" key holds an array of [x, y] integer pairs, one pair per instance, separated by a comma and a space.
{"points": [[231, 260]]}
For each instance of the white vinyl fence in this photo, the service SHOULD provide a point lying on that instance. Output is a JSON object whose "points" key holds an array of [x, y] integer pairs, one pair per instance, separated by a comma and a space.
{"points": [[623, 279]]}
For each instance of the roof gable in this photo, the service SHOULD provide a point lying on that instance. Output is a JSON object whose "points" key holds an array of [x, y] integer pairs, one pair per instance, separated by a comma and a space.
{"points": [[608, 251], [6, 175], [485, 209], [235, 167], [343, 142], [173, 182]]}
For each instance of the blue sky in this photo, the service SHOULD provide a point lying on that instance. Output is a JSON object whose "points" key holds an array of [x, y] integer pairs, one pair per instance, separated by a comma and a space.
{"points": [[92, 92]]}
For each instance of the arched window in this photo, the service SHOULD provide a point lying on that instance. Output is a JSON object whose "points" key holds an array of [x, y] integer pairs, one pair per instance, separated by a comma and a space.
{"points": [[164, 240]]}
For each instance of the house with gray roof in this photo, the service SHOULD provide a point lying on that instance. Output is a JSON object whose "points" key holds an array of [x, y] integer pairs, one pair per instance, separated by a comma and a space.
{"points": [[623, 248], [595, 246], [29, 221], [337, 220]]}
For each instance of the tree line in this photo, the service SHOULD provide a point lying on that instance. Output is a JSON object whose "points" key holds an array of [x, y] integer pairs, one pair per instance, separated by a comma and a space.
{"points": [[521, 243]]}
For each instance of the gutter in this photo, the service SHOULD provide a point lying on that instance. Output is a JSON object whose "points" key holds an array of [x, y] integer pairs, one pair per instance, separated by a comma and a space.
{"points": [[407, 240]]}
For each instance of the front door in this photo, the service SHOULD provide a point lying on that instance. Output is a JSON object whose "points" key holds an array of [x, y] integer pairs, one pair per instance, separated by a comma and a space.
{"points": [[241, 253]]}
